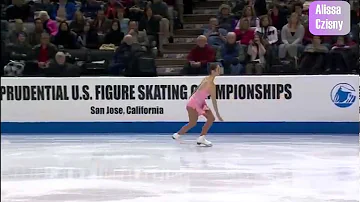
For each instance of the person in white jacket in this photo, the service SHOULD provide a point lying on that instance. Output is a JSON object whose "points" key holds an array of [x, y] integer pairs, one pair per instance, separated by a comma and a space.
{"points": [[269, 34]]}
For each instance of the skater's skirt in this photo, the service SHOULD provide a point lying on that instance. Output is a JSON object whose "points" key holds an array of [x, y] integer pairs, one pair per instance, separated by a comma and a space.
{"points": [[200, 108]]}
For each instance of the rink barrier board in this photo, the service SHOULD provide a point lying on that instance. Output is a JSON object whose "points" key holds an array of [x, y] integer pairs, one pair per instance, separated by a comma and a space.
{"points": [[343, 128], [300, 116]]}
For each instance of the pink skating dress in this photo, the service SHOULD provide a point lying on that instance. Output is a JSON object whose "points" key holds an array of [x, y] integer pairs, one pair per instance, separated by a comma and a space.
{"points": [[198, 101]]}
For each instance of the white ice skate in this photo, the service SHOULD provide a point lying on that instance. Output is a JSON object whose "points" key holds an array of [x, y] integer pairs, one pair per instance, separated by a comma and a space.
{"points": [[202, 141], [176, 136]]}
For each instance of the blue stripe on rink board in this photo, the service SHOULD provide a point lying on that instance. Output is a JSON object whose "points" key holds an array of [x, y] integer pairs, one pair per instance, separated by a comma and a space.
{"points": [[351, 128]]}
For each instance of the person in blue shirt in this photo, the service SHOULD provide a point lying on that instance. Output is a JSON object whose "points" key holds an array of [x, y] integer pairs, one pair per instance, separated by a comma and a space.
{"points": [[64, 10]]}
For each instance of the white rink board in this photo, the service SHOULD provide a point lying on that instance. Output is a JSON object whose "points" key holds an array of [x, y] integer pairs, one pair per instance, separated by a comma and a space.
{"points": [[291, 98]]}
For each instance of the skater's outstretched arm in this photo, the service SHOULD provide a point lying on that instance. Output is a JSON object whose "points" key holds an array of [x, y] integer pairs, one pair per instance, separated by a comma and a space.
{"points": [[214, 101]]}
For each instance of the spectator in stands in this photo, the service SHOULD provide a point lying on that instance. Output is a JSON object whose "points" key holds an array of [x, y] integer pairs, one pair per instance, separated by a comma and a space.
{"points": [[89, 38], [41, 54], [199, 57], [245, 33], [249, 14], [266, 31], [64, 10], [150, 25], [101, 23], [49, 25], [308, 38], [341, 56], [139, 37], [111, 9], [269, 37], [256, 51], [231, 55], [313, 59], [292, 35], [225, 19], [259, 7], [19, 28], [65, 37], [90, 8], [18, 10], [277, 16], [171, 4], [20, 49], [78, 23], [160, 12], [136, 9], [35, 36], [216, 36], [122, 57], [4, 30], [45, 5], [115, 36], [298, 8], [124, 22], [60, 68]]}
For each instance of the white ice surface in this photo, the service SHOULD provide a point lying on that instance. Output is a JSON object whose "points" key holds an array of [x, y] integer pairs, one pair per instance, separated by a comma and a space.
{"points": [[157, 169]]}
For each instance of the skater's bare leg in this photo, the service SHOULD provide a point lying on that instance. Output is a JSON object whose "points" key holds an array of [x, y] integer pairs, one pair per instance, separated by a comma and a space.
{"points": [[210, 118], [193, 118]]}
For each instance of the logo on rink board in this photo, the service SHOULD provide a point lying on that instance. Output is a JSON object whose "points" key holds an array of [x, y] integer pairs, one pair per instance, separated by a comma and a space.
{"points": [[343, 95]]}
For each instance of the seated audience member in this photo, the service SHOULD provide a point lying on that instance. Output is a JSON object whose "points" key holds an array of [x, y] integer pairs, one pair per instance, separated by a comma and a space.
{"points": [[269, 37], [101, 23], [122, 57], [292, 35], [4, 30], [160, 12], [115, 36], [89, 38], [18, 10], [77, 25], [64, 10], [20, 49], [45, 5], [19, 28], [341, 56], [298, 8], [90, 8], [313, 58], [111, 8], [136, 9], [65, 37], [41, 54], [231, 55], [277, 16], [225, 19], [124, 22], [249, 14], [172, 14], [308, 38], [259, 7], [35, 36], [139, 37], [266, 31], [50, 26], [60, 68], [256, 51], [199, 57], [150, 25], [216, 36], [244, 34]]}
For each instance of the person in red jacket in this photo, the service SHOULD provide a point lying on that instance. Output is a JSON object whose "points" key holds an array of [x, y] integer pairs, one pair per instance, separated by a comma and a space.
{"points": [[244, 34], [199, 57]]}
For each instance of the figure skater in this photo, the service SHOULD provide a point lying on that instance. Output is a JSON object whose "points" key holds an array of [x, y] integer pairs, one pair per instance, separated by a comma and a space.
{"points": [[197, 106]]}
